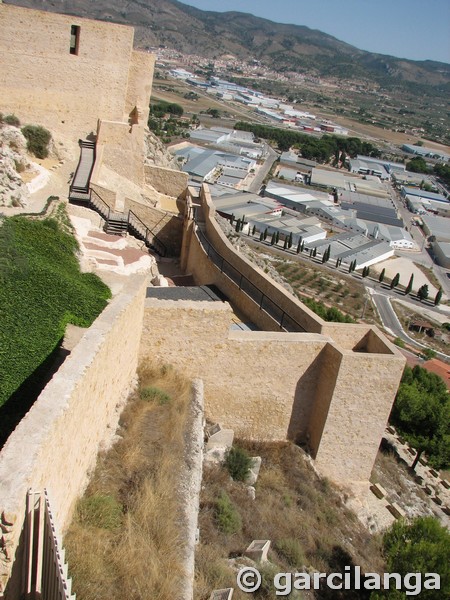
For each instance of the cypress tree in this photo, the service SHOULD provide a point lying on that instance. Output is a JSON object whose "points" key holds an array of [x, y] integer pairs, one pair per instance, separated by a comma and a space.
{"points": [[381, 277], [261, 236], [438, 297], [409, 286], [423, 292], [272, 241], [254, 230], [302, 247], [238, 225], [277, 237], [315, 252], [266, 232], [299, 246], [286, 243], [395, 281], [290, 240]]}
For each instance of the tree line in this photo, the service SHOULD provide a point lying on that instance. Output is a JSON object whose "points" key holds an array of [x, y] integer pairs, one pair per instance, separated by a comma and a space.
{"points": [[320, 149], [419, 165]]}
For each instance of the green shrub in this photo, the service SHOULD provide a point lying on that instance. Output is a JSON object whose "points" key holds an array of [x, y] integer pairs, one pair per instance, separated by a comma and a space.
{"points": [[238, 463], [328, 314], [399, 342], [102, 511], [227, 517], [11, 120], [38, 139], [154, 394], [291, 550]]}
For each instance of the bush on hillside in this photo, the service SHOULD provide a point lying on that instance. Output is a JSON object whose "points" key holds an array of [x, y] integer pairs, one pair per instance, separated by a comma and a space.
{"points": [[10, 120], [238, 463], [227, 517], [152, 393], [38, 139]]}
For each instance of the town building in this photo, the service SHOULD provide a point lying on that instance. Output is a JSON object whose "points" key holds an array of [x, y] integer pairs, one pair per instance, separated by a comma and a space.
{"points": [[441, 252], [425, 152]]}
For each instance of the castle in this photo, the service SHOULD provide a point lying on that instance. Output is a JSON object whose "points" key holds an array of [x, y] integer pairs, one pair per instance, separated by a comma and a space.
{"points": [[327, 386]]}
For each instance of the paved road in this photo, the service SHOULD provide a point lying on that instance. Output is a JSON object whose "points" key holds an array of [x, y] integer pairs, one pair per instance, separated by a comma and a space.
{"points": [[256, 184], [392, 324]]}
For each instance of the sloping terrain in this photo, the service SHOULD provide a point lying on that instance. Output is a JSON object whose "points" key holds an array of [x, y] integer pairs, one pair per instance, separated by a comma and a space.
{"points": [[281, 46]]}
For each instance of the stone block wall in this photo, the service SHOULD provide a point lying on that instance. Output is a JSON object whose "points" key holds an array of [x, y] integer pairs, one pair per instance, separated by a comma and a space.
{"points": [[276, 385], [251, 378], [166, 181], [167, 226], [354, 399], [121, 149], [340, 398], [43, 83], [55, 446]]}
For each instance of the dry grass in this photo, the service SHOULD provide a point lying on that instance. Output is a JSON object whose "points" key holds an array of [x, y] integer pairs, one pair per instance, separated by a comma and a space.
{"points": [[302, 514], [139, 559]]}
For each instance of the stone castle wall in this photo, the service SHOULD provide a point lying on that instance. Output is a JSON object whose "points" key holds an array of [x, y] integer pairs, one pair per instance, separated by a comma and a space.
{"points": [[43, 83], [166, 181], [334, 397], [277, 385], [55, 446], [251, 378]]}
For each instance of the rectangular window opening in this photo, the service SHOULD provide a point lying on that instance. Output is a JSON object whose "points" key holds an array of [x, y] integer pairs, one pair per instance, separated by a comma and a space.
{"points": [[74, 39]]}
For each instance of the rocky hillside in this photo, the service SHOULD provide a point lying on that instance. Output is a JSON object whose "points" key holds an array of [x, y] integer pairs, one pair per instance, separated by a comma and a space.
{"points": [[284, 47], [157, 154], [13, 161]]}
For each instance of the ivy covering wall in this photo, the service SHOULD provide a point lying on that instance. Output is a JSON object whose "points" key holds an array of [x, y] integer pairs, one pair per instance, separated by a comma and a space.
{"points": [[41, 290]]}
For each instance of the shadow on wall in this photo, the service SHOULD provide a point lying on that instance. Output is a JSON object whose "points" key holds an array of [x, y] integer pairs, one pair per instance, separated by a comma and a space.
{"points": [[304, 398], [20, 402], [16, 582], [171, 234]]}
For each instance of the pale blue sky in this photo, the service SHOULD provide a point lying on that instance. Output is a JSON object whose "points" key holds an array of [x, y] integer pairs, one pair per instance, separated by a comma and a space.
{"points": [[415, 29]]}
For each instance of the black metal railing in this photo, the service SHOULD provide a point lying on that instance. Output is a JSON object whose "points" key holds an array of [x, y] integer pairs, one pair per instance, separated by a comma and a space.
{"points": [[266, 304], [150, 238], [99, 205]]}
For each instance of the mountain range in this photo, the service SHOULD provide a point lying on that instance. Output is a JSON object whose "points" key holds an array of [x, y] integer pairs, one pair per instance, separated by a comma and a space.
{"points": [[280, 47]]}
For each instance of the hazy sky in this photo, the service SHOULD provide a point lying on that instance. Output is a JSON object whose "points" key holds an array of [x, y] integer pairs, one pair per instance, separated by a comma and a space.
{"points": [[415, 29]]}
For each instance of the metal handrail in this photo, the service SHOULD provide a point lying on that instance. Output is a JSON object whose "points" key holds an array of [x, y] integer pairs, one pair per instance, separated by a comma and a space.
{"points": [[154, 241], [265, 303], [100, 204]]}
